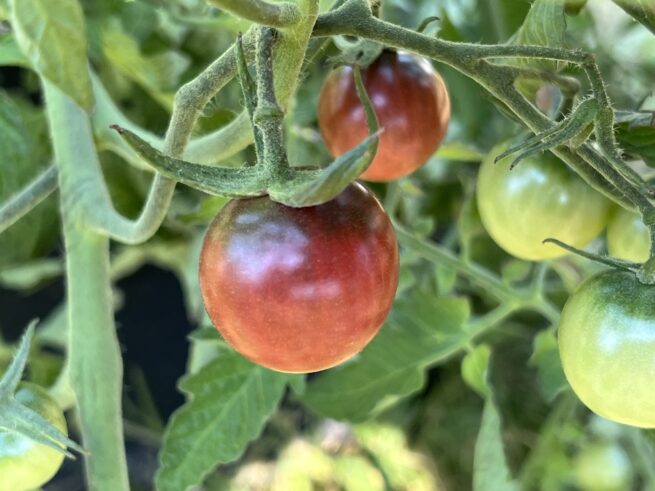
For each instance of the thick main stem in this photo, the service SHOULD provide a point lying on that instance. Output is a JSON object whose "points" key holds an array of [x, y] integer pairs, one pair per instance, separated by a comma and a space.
{"points": [[94, 353]]}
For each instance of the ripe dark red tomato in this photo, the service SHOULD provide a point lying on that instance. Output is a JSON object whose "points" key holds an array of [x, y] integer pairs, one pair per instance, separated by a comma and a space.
{"points": [[300, 289], [412, 105]]}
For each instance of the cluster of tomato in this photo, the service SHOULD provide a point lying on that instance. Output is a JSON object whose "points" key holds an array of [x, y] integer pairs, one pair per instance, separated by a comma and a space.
{"points": [[304, 289]]}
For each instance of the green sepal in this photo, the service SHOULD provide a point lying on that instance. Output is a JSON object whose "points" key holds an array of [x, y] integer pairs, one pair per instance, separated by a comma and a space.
{"points": [[221, 181], [327, 183], [12, 376], [15, 417]]}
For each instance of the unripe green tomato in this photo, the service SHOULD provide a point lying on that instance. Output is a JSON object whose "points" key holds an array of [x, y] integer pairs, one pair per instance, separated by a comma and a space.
{"points": [[603, 467], [24, 463], [538, 199], [607, 347], [627, 236]]}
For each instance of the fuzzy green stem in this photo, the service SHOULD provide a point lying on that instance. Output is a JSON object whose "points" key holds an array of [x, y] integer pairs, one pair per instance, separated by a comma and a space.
{"points": [[279, 14], [24, 201]]}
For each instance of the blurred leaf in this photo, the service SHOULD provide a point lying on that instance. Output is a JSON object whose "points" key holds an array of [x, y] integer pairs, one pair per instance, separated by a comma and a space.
{"points": [[545, 358], [474, 369], [230, 399], [421, 330], [544, 25], [10, 53], [469, 224], [30, 275], [52, 35], [157, 74], [459, 151], [641, 10], [24, 152], [490, 471], [206, 211], [515, 270], [638, 141]]}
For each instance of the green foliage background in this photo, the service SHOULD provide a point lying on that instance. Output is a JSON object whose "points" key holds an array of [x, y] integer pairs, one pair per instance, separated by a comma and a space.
{"points": [[453, 394]]}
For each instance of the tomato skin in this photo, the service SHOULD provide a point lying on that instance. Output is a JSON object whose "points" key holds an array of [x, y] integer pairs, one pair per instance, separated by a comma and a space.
{"points": [[412, 104], [300, 289], [24, 463], [538, 199], [603, 467], [627, 236], [607, 347]]}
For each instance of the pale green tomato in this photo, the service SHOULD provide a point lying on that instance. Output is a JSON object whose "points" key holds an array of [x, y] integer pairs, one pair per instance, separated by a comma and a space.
{"points": [[24, 463], [603, 467], [627, 236], [538, 199], [607, 347]]}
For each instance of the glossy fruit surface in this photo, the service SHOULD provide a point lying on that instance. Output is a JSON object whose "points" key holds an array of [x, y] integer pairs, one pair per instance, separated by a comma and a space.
{"points": [[603, 467], [24, 463], [300, 289], [412, 105], [607, 347], [627, 236], [538, 199]]}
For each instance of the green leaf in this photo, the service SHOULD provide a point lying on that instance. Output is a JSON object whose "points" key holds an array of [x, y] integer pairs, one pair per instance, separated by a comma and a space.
{"points": [[230, 399], [474, 369], [53, 36], [638, 141], [158, 74], [642, 10], [422, 330], [544, 25], [24, 152], [490, 471], [10, 53], [545, 358]]}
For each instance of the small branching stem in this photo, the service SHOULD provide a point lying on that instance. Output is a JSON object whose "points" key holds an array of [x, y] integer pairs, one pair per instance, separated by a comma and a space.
{"points": [[34, 193]]}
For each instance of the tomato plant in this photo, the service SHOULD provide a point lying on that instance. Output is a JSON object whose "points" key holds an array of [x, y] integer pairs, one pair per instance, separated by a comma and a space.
{"points": [[627, 236], [607, 345], [142, 120], [412, 105], [24, 463], [540, 198], [300, 289]]}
